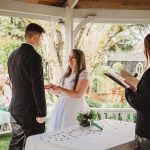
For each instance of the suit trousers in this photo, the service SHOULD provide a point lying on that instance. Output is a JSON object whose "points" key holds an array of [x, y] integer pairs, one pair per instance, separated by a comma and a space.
{"points": [[21, 130]]}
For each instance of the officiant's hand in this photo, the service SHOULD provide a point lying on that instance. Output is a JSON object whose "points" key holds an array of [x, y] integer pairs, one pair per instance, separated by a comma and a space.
{"points": [[132, 86], [40, 119]]}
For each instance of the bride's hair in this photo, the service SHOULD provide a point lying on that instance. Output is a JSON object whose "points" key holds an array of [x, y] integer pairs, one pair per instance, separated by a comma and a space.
{"points": [[81, 65]]}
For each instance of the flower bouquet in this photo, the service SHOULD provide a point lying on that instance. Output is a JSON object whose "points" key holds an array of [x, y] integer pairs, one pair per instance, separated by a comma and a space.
{"points": [[87, 119]]}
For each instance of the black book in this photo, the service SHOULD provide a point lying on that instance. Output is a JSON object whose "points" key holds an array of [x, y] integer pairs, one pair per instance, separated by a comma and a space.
{"points": [[123, 79], [117, 79]]}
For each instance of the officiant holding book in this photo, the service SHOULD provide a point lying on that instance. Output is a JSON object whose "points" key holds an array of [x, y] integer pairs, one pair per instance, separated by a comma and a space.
{"points": [[139, 98]]}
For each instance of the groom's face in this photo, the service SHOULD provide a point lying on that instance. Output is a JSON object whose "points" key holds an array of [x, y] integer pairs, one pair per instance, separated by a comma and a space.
{"points": [[37, 39]]}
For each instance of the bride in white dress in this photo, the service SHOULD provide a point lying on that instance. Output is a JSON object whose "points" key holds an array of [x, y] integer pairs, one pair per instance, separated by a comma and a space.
{"points": [[71, 98]]}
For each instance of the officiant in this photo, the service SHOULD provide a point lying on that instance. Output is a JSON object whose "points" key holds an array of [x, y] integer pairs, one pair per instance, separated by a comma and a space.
{"points": [[139, 98]]}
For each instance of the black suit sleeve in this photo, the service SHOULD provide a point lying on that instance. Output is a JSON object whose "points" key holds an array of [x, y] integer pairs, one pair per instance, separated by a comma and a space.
{"points": [[36, 72], [140, 100], [134, 99]]}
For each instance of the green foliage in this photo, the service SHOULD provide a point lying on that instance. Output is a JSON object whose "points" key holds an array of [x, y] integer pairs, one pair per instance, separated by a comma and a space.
{"points": [[81, 117], [11, 35], [134, 117], [7, 46], [93, 103], [97, 104], [137, 31], [117, 66], [121, 43], [4, 141], [119, 117], [93, 115], [97, 78], [14, 27], [12, 31], [125, 37], [128, 117], [85, 118], [99, 82]]}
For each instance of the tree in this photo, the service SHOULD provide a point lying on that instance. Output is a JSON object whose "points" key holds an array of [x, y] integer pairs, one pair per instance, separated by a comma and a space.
{"points": [[11, 35], [53, 54]]}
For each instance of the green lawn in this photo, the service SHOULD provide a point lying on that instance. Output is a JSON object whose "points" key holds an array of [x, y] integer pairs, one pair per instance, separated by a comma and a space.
{"points": [[4, 141]]}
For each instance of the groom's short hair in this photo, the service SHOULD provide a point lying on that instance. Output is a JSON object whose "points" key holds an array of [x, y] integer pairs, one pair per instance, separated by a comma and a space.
{"points": [[33, 29]]}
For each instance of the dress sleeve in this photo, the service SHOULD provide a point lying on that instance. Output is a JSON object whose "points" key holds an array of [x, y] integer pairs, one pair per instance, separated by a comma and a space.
{"points": [[84, 75]]}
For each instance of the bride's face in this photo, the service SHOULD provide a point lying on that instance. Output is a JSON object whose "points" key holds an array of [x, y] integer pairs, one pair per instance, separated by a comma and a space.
{"points": [[72, 61]]}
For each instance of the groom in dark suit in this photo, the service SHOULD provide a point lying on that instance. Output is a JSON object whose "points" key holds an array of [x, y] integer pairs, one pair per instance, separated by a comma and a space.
{"points": [[28, 104]]}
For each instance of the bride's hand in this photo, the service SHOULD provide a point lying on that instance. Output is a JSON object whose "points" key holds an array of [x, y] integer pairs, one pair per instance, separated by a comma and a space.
{"points": [[56, 89], [49, 86]]}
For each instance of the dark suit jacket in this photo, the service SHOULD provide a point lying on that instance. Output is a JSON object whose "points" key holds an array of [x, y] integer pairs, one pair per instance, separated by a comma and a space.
{"points": [[140, 100], [26, 75]]}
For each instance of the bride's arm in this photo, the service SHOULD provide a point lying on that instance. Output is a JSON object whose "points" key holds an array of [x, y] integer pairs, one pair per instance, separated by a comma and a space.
{"points": [[51, 87], [81, 88]]}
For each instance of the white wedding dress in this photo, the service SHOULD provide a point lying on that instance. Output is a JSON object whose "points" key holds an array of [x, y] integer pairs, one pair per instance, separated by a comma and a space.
{"points": [[67, 108]]}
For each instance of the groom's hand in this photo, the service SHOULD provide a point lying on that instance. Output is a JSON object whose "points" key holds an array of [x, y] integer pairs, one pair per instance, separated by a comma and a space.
{"points": [[40, 119], [49, 86]]}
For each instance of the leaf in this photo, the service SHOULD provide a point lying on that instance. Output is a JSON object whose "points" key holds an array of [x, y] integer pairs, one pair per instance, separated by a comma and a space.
{"points": [[93, 115], [80, 117]]}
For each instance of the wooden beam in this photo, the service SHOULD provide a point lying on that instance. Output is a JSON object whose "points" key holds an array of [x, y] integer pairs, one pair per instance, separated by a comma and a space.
{"points": [[114, 16], [72, 3], [28, 10], [30, 1], [37, 11], [116, 4], [57, 3]]}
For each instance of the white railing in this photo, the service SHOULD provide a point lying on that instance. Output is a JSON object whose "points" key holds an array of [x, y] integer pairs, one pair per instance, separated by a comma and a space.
{"points": [[5, 128], [126, 114]]}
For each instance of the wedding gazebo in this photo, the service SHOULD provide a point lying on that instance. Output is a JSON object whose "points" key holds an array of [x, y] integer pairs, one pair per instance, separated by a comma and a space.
{"points": [[82, 11]]}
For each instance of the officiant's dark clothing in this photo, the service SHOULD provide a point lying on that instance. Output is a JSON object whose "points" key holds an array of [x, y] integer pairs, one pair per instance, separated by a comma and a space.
{"points": [[140, 100], [28, 96]]}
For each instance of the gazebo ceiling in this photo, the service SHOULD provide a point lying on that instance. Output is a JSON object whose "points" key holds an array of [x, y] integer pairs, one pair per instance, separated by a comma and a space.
{"points": [[103, 4], [58, 3], [99, 11]]}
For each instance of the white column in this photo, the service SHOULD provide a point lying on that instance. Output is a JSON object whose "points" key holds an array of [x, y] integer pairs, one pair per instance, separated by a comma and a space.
{"points": [[69, 33], [72, 3]]}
